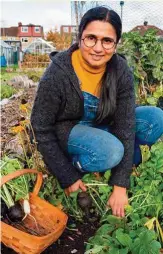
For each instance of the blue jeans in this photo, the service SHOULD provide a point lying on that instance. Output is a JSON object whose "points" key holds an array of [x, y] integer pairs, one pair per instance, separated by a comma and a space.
{"points": [[95, 149]]}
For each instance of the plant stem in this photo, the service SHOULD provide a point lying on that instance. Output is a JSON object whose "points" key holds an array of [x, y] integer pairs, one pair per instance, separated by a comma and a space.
{"points": [[36, 164], [35, 144], [25, 154], [3, 165], [140, 208], [97, 195], [132, 198], [25, 183], [9, 200], [70, 206], [96, 202], [147, 194], [159, 229], [16, 189]]}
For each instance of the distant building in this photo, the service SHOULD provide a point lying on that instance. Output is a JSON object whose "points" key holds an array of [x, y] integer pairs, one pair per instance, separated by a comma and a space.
{"points": [[10, 36], [23, 33], [9, 33], [71, 30], [28, 33], [68, 29], [7, 52], [143, 28], [40, 46], [15, 44]]}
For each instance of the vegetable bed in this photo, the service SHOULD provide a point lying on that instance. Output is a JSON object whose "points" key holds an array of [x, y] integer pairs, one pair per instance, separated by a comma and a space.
{"points": [[95, 230], [91, 228]]}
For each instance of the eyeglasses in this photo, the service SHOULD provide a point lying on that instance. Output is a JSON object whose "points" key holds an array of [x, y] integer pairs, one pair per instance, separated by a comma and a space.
{"points": [[90, 41]]}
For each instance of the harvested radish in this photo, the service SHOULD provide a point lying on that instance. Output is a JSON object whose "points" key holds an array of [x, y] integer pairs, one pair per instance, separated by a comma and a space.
{"points": [[27, 211], [85, 202], [26, 208], [15, 213]]}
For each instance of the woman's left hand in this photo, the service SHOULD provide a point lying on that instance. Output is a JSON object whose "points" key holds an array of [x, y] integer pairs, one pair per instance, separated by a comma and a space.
{"points": [[117, 201]]}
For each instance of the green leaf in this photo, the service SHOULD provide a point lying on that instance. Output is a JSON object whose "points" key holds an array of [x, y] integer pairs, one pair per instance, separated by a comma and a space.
{"points": [[124, 251], [87, 178], [132, 234], [113, 220], [95, 250], [113, 250], [123, 238], [105, 229], [160, 170], [107, 174], [146, 243], [103, 189], [152, 101], [52, 199], [97, 240], [157, 94]]}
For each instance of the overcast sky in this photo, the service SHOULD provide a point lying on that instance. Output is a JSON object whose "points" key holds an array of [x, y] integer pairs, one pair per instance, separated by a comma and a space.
{"points": [[53, 13], [48, 14]]}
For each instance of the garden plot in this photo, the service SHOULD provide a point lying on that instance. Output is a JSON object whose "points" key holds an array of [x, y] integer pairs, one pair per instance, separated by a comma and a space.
{"points": [[94, 230]]}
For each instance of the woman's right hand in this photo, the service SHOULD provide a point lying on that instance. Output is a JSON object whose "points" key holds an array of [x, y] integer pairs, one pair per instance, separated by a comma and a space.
{"points": [[75, 186], [117, 201]]}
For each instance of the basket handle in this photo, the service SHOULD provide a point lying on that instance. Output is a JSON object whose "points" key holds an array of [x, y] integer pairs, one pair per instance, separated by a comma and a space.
{"points": [[20, 172]]}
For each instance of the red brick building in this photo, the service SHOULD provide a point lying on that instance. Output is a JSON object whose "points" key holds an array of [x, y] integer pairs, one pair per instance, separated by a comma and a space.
{"points": [[24, 33], [28, 33], [68, 29], [143, 28]]}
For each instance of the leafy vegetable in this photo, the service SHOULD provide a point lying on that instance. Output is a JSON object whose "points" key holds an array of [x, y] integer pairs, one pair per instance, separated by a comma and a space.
{"points": [[136, 233], [19, 186], [145, 57]]}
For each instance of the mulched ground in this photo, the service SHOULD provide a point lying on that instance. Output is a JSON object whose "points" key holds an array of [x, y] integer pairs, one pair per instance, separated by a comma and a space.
{"points": [[11, 114], [71, 241]]}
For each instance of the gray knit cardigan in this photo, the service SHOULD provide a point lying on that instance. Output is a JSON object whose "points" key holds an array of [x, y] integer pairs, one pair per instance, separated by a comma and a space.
{"points": [[59, 105]]}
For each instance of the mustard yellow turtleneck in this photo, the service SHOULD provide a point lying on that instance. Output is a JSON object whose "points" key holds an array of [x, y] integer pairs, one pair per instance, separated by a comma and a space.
{"points": [[88, 76]]}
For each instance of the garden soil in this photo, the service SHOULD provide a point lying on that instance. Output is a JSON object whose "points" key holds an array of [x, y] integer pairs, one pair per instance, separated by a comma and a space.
{"points": [[11, 115]]}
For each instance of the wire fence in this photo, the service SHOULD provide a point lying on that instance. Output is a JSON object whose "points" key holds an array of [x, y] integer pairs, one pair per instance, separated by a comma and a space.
{"points": [[132, 13]]}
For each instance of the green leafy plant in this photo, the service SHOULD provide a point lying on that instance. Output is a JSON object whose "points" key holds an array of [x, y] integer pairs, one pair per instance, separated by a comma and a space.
{"points": [[34, 75], [7, 91], [141, 229], [15, 190], [20, 186], [117, 236], [145, 56]]}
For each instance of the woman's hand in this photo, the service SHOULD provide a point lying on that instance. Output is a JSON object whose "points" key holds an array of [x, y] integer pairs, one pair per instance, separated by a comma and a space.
{"points": [[118, 200], [74, 187]]}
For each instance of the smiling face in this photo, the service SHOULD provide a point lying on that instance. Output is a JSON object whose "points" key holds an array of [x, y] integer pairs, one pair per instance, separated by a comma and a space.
{"points": [[97, 56]]}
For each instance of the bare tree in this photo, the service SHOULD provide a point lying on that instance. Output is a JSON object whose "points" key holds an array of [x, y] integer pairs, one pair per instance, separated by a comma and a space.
{"points": [[78, 8]]}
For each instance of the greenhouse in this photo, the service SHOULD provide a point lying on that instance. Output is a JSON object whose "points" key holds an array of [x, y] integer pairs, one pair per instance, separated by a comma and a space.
{"points": [[7, 57], [40, 46]]}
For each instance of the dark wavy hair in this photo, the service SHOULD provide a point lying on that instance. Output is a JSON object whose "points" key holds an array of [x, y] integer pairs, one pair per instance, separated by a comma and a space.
{"points": [[107, 104]]}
